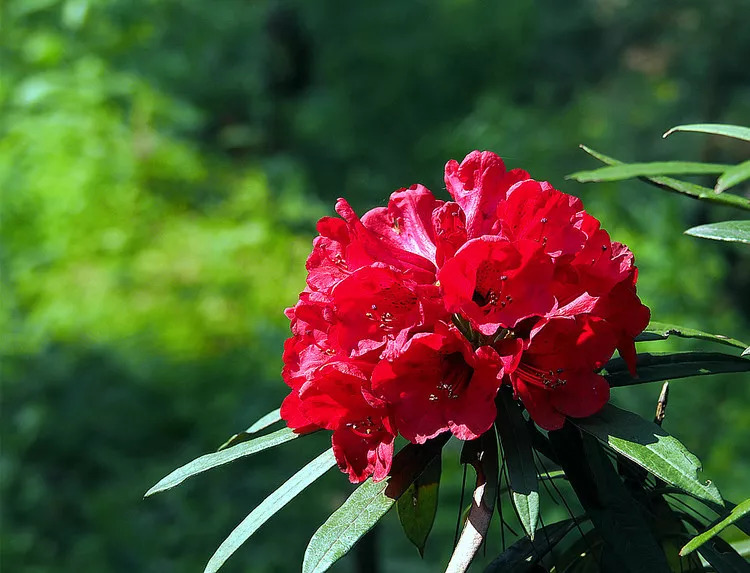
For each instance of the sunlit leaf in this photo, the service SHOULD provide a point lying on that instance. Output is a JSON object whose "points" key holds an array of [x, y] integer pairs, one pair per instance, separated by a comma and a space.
{"points": [[519, 459], [681, 187], [662, 331], [369, 502], [655, 367], [615, 514], [215, 459], [733, 176], [735, 131], [632, 170], [652, 448], [417, 507], [524, 554], [268, 420], [735, 231], [269, 506], [736, 514]]}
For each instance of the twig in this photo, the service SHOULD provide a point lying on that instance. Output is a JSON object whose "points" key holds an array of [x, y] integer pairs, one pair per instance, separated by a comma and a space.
{"points": [[661, 405], [482, 505]]}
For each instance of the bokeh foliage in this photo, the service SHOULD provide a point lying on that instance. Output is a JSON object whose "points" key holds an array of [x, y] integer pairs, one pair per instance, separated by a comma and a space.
{"points": [[162, 165]]}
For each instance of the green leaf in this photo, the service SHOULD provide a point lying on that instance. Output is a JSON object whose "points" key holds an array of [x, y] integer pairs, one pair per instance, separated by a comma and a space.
{"points": [[662, 331], [369, 502], [215, 459], [681, 187], [735, 131], [632, 170], [746, 352], [523, 555], [268, 420], [616, 516], [269, 506], [519, 458], [735, 231], [655, 367], [418, 506], [649, 446], [737, 513], [733, 176], [722, 556]]}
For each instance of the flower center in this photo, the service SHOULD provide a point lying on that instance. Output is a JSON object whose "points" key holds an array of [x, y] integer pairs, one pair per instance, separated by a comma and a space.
{"points": [[547, 379], [365, 428], [456, 377]]}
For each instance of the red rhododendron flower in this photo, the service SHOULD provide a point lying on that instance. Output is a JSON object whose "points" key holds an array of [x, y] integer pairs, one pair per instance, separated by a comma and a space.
{"points": [[438, 382], [542, 298]]}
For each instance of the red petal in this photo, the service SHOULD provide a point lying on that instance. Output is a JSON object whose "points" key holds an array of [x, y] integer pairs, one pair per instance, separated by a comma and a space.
{"points": [[537, 402], [584, 394], [407, 221], [478, 184]]}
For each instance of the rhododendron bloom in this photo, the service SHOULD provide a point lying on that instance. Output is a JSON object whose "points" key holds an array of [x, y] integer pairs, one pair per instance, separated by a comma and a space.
{"points": [[417, 313], [438, 382]]}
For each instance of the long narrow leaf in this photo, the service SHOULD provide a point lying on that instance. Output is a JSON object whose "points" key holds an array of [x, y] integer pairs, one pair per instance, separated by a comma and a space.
{"points": [[649, 446], [519, 457], [723, 557], [215, 459], [681, 187], [418, 506], [735, 131], [524, 554], [266, 421], [632, 170], [737, 513], [269, 506], [662, 331], [369, 502], [615, 514], [655, 367], [733, 176], [733, 231]]}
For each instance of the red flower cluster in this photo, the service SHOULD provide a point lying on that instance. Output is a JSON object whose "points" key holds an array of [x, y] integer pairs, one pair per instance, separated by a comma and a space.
{"points": [[415, 314]]}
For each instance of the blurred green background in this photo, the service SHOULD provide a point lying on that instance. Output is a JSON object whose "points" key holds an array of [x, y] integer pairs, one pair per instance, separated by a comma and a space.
{"points": [[162, 166]]}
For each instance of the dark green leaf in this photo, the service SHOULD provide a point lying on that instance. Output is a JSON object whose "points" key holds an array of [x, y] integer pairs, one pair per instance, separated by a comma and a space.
{"points": [[681, 187], [649, 446], [655, 367], [418, 506], [269, 506], [735, 131], [737, 513], [369, 502], [215, 459], [632, 170], [524, 554], [723, 557], [615, 514], [734, 231], [519, 458], [733, 176], [662, 331], [268, 420]]}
